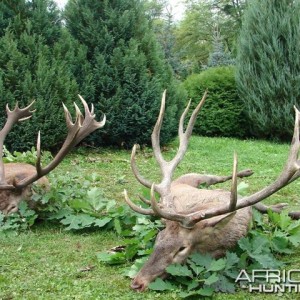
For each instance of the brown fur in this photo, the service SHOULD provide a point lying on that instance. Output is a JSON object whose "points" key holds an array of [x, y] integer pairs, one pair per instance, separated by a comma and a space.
{"points": [[14, 173]]}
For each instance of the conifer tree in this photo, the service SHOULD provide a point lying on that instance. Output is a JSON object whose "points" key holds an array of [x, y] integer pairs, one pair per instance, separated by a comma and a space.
{"points": [[268, 66], [36, 59], [219, 57], [127, 70]]}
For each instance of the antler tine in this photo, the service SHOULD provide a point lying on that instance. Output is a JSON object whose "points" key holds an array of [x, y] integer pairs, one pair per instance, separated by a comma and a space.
{"points": [[233, 194], [185, 135], [144, 199], [77, 131], [13, 116], [155, 136], [136, 208], [38, 154], [89, 123], [68, 116], [135, 170], [181, 122]]}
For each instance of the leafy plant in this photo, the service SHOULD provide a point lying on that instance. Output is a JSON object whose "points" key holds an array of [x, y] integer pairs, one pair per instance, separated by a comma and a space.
{"points": [[28, 156], [138, 243], [21, 220]]}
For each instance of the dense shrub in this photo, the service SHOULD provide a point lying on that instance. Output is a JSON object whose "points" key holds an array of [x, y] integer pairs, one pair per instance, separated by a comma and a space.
{"points": [[268, 66], [222, 114]]}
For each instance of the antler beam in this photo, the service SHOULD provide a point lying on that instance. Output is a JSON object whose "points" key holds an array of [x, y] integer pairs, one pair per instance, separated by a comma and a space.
{"points": [[77, 131]]}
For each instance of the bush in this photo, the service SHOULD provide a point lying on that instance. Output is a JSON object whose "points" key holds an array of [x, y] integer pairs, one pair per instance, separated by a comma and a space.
{"points": [[222, 114]]}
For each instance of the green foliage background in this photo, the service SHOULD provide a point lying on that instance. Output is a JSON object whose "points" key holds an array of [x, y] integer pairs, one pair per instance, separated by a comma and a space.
{"points": [[268, 67], [35, 55], [106, 51], [126, 72]]}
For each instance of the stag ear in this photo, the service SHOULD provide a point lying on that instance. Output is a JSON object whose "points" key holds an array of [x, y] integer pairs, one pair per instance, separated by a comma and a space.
{"points": [[219, 222]]}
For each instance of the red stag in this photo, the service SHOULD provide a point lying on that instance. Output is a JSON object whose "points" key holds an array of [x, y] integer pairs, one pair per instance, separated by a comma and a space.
{"points": [[203, 220]]}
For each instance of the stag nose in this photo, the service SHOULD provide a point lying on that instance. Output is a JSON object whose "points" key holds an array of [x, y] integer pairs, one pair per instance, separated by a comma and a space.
{"points": [[139, 287]]}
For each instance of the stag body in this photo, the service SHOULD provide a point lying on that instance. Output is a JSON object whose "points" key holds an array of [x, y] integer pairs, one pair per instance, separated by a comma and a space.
{"points": [[14, 173], [16, 178], [214, 236], [207, 221]]}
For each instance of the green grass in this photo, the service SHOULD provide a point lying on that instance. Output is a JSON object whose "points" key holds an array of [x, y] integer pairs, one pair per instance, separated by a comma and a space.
{"points": [[47, 262]]}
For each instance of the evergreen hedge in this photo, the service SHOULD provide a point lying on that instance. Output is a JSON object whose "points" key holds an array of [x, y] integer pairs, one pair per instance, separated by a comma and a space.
{"points": [[222, 113]]}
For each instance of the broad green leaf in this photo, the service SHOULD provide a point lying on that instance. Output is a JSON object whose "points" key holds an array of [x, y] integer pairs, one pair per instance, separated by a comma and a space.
{"points": [[260, 244], [284, 220], [294, 238], [179, 270], [294, 226], [196, 269], [217, 265], [131, 251], [86, 220], [79, 204], [206, 291], [193, 285], [117, 225], [211, 279], [224, 285], [281, 245], [77, 221], [111, 258], [258, 218], [267, 261], [231, 260], [245, 244], [110, 205], [274, 217], [62, 213], [203, 260], [102, 222], [95, 199], [160, 285], [72, 221]]}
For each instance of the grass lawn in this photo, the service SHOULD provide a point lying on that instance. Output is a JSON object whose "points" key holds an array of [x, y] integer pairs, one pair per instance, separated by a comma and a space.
{"points": [[48, 262]]}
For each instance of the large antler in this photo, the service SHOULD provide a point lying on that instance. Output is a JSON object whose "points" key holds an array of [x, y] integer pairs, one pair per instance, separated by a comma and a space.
{"points": [[77, 131], [167, 168], [166, 209]]}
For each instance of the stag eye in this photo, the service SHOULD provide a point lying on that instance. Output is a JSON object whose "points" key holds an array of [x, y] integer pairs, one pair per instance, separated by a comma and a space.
{"points": [[180, 250]]}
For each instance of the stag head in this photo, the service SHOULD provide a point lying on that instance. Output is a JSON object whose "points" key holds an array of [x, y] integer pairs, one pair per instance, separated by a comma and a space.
{"points": [[16, 178], [199, 220]]}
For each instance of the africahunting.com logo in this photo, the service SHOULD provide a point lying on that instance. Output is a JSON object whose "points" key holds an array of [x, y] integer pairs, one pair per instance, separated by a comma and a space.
{"points": [[270, 281]]}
